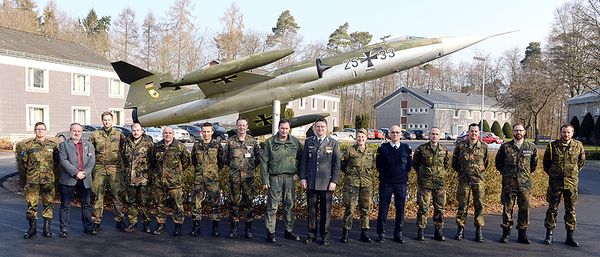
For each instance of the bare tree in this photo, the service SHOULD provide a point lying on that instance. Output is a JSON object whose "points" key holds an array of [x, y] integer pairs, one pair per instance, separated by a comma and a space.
{"points": [[125, 36], [229, 41]]}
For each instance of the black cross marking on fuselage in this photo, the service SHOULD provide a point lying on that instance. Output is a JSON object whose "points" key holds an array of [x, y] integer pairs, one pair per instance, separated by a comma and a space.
{"points": [[367, 58], [262, 118], [226, 79]]}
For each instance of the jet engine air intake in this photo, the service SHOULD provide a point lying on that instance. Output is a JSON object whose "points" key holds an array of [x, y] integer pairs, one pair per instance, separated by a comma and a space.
{"points": [[321, 67]]}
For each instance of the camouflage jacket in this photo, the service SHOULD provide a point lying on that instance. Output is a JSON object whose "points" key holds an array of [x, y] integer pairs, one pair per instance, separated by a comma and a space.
{"points": [[108, 147], [470, 161], [242, 156], [563, 162], [40, 160], [171, 161], [279, 157], [431, 165], [138, 160], [208, 160], [516, 165], [358, 166]]}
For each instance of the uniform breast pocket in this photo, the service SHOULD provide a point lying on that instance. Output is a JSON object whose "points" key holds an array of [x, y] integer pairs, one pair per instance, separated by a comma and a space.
{"points": [[212, 153]]}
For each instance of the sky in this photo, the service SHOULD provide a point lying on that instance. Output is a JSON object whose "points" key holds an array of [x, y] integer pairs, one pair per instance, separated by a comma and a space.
{"points": [[318, 19]]}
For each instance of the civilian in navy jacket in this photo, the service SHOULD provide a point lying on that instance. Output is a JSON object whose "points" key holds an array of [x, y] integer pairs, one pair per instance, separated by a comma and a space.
{"points": [[394, 161]]}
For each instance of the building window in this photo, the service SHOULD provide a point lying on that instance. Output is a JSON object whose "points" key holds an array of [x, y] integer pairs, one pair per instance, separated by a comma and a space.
{"points": [[456, 112], [301, 103], [80, 84], [324, 105], [410, 110], [80, 114], [115, 88], [426, 110], [313, 104], [334, 107], [118, 117], [36, 80], [425, 125], [37, 113]]}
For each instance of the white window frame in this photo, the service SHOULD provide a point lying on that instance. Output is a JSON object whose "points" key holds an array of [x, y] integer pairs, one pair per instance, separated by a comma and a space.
{"points": [[334, 107], [313, 103], [121, 120], [121, 93], [29, 80], [302, 103], [29, 126], [87, 86], [456, 113], [88, 113], [324, 105], [334, 122]]}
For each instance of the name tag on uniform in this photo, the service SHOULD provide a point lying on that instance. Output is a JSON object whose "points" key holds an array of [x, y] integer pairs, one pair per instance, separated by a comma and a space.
{"points": [[247, 155], [50, 150], [527, 153], [329, 149]]}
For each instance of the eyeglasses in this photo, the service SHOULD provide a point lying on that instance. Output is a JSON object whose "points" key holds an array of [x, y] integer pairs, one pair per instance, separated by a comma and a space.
{"points": [[518, 130], [394, 132], [39, 129]]}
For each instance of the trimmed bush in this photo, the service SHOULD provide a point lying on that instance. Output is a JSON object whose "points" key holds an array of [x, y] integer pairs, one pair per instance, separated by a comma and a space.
{"points": [[497, 130], [507, 130]]}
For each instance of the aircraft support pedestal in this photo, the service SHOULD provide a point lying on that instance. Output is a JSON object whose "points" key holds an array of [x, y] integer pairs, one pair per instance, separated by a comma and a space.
{"points": [[276, 116]]}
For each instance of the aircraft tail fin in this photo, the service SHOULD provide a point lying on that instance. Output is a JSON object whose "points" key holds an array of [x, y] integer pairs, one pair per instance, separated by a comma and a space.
{"points": [[144, 85], [129, 73]]}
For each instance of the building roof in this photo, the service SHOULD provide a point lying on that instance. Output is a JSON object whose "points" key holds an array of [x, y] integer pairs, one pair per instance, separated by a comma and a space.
{"points": [[589, 97], [31, 46], [442, 99]]}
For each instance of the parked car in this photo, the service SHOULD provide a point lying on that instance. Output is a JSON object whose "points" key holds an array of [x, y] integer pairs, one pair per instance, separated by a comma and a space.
{"points": [[154, 133], [219, 131], [448, 136], [386, 132], [195, 132], [488, 138], [345, 134], [181, 134], [376, 134], [408, 135], [126, 131], [419, 134], [85, 134]]}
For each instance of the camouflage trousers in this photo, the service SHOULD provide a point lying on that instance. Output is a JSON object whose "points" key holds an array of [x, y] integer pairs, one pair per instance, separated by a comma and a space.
{"points": [[424, 199], [161, 195], [361, 196], [33, 193], [241, 197], [212, 192], [553, 197], [521, 198], [281, 185], [138, 201], [462, 196], [107, 177]]}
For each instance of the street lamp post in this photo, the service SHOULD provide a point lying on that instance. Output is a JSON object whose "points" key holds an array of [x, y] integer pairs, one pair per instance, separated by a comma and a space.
{"points": [[484, 60]]}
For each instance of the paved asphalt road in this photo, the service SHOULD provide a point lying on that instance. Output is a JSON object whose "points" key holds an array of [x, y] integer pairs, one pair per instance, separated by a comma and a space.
{"points": [[110, 242]]}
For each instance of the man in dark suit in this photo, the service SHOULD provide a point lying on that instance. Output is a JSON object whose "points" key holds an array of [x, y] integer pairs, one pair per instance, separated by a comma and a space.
{"points": [[393, 164], [77, 161], [320, 173]]}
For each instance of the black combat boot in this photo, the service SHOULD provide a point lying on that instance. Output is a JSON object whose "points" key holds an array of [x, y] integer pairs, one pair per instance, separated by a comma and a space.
{"points": [[548, 239], [215, 228], [290, 235], [364, 236], [131, 227], [271, 238], [570, 240], [234, 231], [398, 238], [121, 225], [345, 234], [177, 231], [160, 227], [439, 235], [380, 238], [460, 233], [478, 235], [523, 237], [506, 234], [147, 227], [420, 236], [47, 232], [195, 229], [32, 231], [248, 229]]}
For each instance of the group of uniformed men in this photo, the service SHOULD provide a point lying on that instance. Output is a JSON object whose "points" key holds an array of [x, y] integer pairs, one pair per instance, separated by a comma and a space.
{"points": [[138, 172]]}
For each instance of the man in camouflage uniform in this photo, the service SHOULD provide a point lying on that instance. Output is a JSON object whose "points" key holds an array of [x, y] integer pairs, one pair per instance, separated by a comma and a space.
{"points": [[358, 164], [470, 160], [563, 160], [242, 155], [39, 158], [172, 159], [430, 161], [138, 156], [278, 172], [108, 172], [516, 160], [207, 156]]}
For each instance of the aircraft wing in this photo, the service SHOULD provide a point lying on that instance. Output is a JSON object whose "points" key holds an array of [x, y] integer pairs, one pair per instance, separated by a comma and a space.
{"points": [[260, 118], [231, 82]]}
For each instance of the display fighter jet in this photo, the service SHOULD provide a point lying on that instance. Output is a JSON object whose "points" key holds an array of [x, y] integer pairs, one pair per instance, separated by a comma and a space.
{"points": [[235, 87]]}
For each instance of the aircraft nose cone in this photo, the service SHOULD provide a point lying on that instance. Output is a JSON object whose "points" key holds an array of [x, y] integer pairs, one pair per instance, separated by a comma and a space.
{"points": [[453, 44]]}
